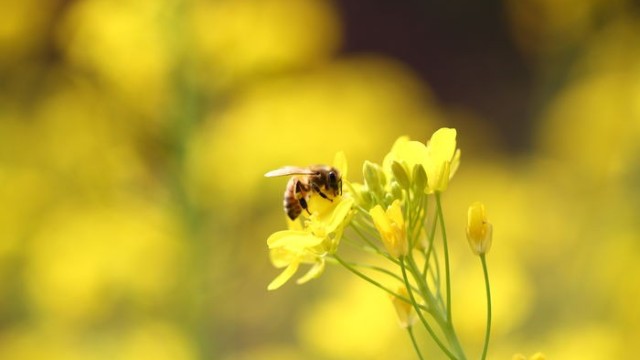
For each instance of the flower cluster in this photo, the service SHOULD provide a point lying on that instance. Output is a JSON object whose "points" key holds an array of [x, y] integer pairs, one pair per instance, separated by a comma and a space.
{"points": [[397, 214]]}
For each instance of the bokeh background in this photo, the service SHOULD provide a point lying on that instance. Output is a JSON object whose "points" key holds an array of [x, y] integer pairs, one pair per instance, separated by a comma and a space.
{"points": [[134, 136]]}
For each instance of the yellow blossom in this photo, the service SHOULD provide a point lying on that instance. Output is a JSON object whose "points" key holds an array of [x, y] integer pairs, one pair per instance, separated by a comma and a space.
{"points": [[406, 314], [320, 236], [406, 153], [290, 248], [479, 231], [310, 241], [439, 158], [391, 226]]}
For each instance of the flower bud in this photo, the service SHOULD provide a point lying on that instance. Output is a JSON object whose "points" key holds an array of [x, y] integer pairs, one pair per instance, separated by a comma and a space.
{"points": [[367, 198], [406, 314], [479, 231], [400, 174], [390, 225], [419, 177], [374, 177], [396, 190]]}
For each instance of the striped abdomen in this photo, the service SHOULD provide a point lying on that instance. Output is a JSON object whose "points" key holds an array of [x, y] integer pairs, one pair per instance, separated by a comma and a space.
{"points": [[295, 197]]}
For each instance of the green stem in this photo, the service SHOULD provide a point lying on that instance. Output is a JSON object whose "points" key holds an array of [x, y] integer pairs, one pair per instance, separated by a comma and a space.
{"points": [[376, 268], [430, 249], [453, 338], [446, 257], [373, 282], [420, 315], [488, 289], [422, 283], [413, 341]]}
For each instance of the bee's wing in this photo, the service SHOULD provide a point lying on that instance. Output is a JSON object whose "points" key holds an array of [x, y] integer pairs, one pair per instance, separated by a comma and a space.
{"points": [[289, 170]]}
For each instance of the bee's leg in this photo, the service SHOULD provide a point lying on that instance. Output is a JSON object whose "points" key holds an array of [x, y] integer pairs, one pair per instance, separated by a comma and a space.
{"points": [[301, 198], [303, 203], [316, 188]]}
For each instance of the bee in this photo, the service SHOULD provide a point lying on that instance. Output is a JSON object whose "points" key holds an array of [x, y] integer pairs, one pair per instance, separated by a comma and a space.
{"points": [[323, 180]]}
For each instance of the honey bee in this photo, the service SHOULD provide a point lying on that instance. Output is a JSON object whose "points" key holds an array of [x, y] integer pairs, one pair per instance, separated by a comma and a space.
{"points": [[323, 180]]}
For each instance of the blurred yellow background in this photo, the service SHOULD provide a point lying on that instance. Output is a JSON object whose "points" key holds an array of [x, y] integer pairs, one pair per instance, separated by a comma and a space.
{"points": [[134, 214]]}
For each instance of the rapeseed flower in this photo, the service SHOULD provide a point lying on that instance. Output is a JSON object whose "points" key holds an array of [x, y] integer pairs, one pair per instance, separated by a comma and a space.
{"points": [[404, 309], [390, 225], [439, 159], [312, 240]]}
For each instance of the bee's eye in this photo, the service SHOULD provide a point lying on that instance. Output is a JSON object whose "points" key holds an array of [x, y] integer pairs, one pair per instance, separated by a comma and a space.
{"points": [[332, 177]]}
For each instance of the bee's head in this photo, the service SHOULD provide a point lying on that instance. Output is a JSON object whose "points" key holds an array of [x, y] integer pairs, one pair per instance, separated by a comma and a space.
{"points": [[334, 181]]}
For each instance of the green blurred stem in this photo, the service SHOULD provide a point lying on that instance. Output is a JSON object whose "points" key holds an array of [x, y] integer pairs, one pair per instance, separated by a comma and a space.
{"points": [[429, 251], [378, 269], [446, 256], [420, 315], [451, 334], [488, 289], [413, 341], [371, 281]]}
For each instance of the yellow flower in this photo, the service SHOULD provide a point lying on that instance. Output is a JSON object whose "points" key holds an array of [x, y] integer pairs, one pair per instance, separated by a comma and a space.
{"points": [[310, 241], [290, 248], [479, 231], [439, 158], [390, 224], [407, 153], [406, 314], [320, 236]]}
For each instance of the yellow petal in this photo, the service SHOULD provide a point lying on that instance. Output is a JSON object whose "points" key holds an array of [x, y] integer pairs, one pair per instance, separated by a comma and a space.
{"points": [[339, 214], [294, 239], [442, 144], [441, 151], [404, 310], [455, 163], [281, 257], [284, 276], [390, 225], [380, 219], [394, 212]]}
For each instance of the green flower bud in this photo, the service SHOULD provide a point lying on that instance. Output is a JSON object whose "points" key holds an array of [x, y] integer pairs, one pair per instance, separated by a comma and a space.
{"points": [[419, 178], [396, 190], [400, 174], [374, 177], [388, 199], [367, 198]]}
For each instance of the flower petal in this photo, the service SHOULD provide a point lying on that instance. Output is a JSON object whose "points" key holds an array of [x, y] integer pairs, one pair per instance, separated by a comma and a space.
{"points": [[294, 239], [380, 219], [442, 144], [284, 276], [339, 214], [394, 212]]}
